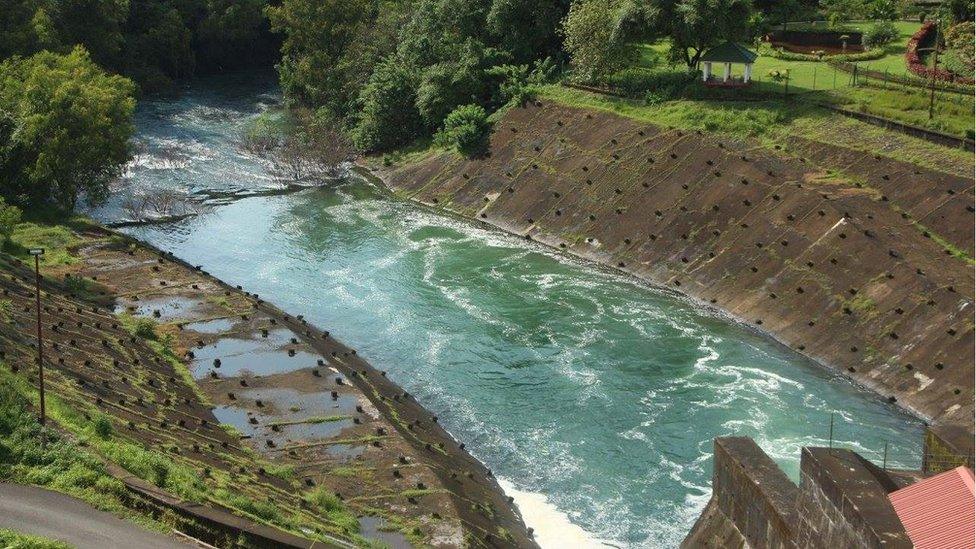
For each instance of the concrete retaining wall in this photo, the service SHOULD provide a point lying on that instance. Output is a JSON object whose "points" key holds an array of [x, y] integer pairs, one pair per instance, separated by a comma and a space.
{"points": [[842, 501]]}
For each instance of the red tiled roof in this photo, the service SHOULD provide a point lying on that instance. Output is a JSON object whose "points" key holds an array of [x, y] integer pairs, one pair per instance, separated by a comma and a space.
{"points": [[939, 512]]}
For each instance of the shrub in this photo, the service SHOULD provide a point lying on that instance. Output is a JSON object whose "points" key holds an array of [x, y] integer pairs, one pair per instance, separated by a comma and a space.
{"points": [[103, 427], [869, 55], [9, 219], [879, 34], [145, 328], [516, 83], [467, 129]]}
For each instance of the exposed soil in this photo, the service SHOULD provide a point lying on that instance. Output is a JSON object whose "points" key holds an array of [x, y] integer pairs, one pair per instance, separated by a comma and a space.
{"points": [[844, 256], [297, 397]]}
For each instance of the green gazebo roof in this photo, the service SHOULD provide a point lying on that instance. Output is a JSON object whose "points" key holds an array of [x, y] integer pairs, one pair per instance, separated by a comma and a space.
{"points": [[730, 52]]}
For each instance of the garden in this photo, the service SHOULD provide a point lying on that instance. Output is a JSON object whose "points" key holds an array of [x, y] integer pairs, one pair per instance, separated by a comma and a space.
{"points": [[874, 67]]}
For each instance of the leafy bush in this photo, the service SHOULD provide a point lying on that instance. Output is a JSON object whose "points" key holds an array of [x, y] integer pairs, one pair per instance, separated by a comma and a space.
{"points": [[516, 83], [655, 85], [960, 40], [145, 328], [9, 219], [103, 427], [879, 34], [467, 129]]}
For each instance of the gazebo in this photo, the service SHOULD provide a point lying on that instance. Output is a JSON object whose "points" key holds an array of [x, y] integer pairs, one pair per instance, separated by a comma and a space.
{"points": [[727, 54]]}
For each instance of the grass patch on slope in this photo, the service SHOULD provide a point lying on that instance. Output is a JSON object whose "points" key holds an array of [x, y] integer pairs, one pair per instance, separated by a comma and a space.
{"points": [[772, 122], [10, 539]]}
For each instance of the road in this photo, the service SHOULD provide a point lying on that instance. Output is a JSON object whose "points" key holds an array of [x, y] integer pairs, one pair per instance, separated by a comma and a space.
{"points": [[41, 512]]}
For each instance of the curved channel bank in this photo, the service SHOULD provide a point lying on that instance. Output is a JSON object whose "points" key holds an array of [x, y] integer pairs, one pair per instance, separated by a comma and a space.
{"points": [[487, 515], [855, 271]]}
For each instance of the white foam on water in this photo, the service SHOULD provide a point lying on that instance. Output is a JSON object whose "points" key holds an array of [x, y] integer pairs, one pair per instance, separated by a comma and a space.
{"points": [[552, 527]]}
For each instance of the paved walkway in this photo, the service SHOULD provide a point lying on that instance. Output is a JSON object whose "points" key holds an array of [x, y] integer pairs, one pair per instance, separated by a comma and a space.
{"points": [[41, 512]]}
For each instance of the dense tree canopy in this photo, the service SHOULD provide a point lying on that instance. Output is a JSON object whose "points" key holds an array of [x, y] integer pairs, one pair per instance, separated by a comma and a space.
{"points": [[596, 38], [65, 128], [696, 25], [354, 60], [153, 41]]}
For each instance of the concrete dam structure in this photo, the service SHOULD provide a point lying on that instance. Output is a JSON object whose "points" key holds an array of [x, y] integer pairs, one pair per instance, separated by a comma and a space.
{"points": [[849, 258]]}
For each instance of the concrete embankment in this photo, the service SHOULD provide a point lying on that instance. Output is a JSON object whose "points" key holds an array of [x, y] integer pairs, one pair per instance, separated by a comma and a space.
{"points": [[309, 415], [848, 258]]}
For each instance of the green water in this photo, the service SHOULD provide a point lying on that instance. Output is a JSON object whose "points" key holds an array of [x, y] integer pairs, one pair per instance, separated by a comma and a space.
{"points": [[597, 392]]}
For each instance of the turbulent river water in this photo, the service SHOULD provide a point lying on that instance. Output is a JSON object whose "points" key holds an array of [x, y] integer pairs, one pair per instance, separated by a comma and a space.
{"points": [[593, 397]]}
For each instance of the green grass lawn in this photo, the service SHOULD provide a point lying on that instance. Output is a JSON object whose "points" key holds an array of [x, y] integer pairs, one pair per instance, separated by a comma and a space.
{"points": [[894, 59], [819, 82]]}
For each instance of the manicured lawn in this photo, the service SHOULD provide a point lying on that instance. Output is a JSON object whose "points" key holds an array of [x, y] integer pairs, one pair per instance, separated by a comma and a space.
{"points": [[818, 81], [894, 59]]}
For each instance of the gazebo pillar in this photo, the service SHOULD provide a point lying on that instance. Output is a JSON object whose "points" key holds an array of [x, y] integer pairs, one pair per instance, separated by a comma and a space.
{"points": [[707, 71], [748, 74], [728, 72]]}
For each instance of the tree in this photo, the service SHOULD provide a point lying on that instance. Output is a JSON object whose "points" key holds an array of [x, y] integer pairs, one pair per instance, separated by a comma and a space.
{"points": [[449, 84], [838, 11], [696, 25], [527, 29], [94, 24], [595, 39], [388, 115], [26, 27], [72, 127], [317, 38], [159, 45]]}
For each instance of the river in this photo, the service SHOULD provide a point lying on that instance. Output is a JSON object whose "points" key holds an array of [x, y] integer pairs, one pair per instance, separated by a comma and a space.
{"points": [[593, 397]]}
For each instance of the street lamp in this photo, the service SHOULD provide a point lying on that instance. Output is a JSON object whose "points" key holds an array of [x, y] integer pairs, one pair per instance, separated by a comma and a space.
{"points": [[37, 253]]}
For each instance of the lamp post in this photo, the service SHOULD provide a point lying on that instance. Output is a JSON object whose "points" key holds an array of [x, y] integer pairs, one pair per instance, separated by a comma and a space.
{"points": [[935, 67], [37, 253]]}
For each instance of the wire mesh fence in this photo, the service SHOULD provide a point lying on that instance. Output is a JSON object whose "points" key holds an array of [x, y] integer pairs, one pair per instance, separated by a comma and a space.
{"points": [[896, 455]]}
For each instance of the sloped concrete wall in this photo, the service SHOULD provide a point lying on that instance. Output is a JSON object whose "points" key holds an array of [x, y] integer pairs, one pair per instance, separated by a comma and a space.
{"points": [[839, 270]]}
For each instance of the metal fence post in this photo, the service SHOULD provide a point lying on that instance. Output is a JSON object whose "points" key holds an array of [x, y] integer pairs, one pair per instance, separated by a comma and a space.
{"points": [[884, 460], [831, 436]]}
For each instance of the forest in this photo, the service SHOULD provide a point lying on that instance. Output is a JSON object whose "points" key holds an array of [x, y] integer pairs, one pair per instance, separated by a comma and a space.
{"points": [[380, 73]]}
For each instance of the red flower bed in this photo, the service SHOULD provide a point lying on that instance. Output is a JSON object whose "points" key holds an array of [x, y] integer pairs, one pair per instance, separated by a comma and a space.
{"points": [[914, 62]]}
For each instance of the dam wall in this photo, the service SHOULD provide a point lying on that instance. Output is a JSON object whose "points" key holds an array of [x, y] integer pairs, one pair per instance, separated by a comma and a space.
{"points": [[850, 258], [842, 501]]}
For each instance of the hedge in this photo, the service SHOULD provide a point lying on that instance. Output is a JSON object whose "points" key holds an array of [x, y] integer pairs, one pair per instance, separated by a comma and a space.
{"points": [[869, 55], [914, 61]]}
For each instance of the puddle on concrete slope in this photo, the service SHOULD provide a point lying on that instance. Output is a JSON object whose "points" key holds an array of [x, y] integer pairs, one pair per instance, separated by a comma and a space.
{"points": [[374, 528], [169, 308], [215, 326], [258, 356]]}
